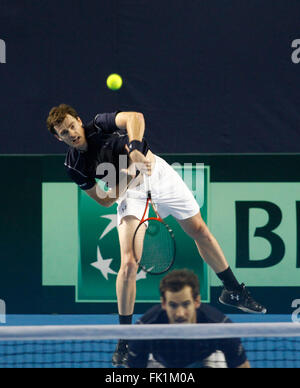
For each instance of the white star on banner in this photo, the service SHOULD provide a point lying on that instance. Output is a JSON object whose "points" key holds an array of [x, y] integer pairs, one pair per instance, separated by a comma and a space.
{"points": [[111, 225], [103, 265], [141, 275]]}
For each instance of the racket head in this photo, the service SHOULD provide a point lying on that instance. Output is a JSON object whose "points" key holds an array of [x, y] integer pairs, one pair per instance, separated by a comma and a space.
{"points": [[154, 246]]}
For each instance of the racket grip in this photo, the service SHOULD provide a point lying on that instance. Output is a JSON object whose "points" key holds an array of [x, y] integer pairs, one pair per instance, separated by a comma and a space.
{"points": [[147, 185]]}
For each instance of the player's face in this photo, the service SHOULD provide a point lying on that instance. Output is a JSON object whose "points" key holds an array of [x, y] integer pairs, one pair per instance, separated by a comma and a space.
{"points": [[71, 132], [181, 306]]}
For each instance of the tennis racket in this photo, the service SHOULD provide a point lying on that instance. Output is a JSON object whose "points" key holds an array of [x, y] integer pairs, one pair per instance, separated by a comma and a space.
{"points": [[153, 241]]}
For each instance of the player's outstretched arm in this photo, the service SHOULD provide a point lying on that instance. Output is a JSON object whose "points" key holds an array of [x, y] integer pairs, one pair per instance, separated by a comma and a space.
{"points": [[99, 196], [134, 123], [108, 198]]}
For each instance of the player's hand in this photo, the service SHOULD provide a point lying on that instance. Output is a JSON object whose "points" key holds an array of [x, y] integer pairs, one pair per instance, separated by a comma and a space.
{"points": [[130, 171], [141, 163]]}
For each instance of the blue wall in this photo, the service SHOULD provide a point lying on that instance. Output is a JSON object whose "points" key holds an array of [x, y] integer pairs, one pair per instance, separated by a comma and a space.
{"points": [[210, 76]]}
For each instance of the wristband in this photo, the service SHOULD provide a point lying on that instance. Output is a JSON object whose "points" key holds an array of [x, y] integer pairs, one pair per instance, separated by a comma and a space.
{"points": [[135, 145]]}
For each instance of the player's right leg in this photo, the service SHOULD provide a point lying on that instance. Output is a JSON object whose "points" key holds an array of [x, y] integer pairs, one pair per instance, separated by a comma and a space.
{"points": [[177, 200], [233, 294]]}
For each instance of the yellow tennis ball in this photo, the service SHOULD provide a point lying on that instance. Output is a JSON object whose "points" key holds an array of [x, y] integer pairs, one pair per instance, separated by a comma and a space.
{"points": [[114, 81]]}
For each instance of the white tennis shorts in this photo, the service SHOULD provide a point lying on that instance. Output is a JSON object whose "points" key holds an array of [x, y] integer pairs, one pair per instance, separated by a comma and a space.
{"points": [[169, 193]]}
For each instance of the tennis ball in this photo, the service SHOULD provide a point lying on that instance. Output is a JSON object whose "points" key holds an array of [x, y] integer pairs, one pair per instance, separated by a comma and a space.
{"points": [[114, 81]]}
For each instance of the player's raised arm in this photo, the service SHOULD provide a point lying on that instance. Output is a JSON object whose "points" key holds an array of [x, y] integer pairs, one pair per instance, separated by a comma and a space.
{"points": [[134, 123]]}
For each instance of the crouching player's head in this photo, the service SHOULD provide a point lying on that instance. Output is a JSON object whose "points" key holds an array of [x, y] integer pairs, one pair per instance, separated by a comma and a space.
{"points": [[180, 296]]}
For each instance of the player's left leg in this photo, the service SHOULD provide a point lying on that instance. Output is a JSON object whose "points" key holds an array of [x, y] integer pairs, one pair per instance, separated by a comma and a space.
{"points": [[126, 279], [233, 294], [126, 283]]}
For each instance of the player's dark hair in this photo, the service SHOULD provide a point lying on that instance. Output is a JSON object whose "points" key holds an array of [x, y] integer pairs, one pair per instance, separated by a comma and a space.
{"points": [[57, 115], [176, 280]]}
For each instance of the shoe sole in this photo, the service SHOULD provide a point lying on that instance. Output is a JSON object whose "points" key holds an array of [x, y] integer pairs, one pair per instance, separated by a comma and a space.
{"points": [[264, 311]]}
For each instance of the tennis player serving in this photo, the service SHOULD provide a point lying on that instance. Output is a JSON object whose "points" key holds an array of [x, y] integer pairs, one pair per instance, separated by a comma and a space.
{"points": [[106, 138]]}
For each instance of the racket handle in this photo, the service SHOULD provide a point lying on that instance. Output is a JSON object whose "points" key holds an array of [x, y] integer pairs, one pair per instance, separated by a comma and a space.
{"points": [[147, 185]]}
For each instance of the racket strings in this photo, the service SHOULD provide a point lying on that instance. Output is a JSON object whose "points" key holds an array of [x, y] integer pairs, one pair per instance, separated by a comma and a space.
{"points": [[154, 247]]}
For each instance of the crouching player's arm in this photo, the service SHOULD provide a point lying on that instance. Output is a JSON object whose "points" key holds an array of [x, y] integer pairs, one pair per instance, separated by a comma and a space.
{"points": [[138, 353], [245, 365], [235, 353]]}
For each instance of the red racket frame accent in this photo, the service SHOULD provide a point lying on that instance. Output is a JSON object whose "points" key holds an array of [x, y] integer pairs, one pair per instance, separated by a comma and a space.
{"points": [[158, 218]]}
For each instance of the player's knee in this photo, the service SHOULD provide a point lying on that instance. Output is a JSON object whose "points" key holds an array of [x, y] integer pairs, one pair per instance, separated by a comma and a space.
{"points": [[129, 269], [200, 231]]}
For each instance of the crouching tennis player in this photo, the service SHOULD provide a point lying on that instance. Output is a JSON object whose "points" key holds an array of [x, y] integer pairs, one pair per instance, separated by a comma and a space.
{"points": [[181, 304]]}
